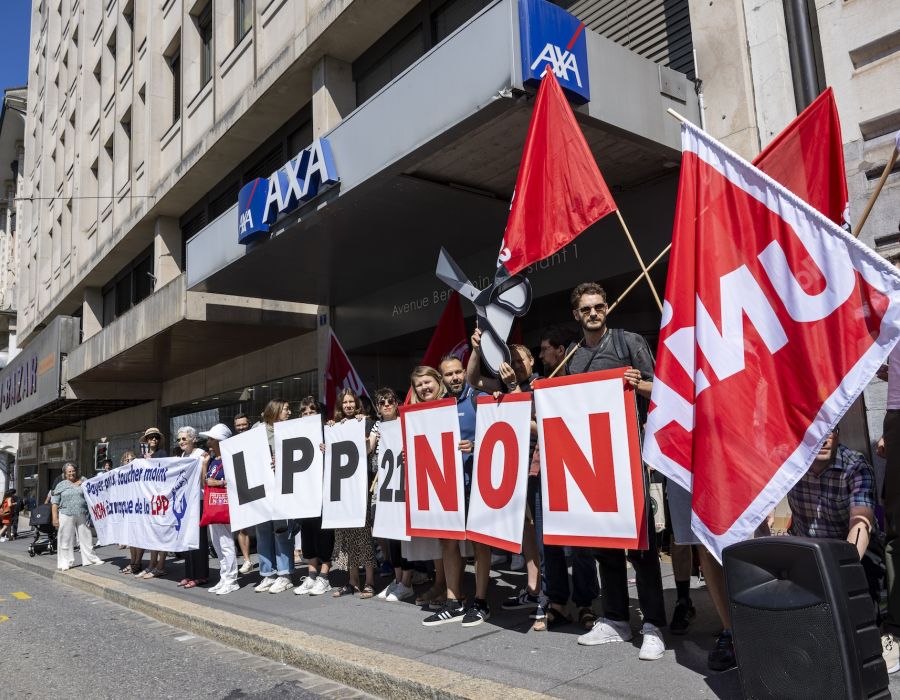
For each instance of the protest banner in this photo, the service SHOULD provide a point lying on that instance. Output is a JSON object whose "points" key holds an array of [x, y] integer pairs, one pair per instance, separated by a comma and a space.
{"points": [[592, 485], [434, 475], [249, 477], [500, 474], [390, 492], [346, 490], [149, 503], [299, 468]]}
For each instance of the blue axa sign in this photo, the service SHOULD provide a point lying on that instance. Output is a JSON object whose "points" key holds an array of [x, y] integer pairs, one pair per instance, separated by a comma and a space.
{"points": [[263, 200], [552, 38]]}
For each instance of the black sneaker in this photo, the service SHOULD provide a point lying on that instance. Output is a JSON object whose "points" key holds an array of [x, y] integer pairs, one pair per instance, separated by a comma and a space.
{"points": [[523, 601], [476, 614], [682, 617], [721, 658], [451, 611]]}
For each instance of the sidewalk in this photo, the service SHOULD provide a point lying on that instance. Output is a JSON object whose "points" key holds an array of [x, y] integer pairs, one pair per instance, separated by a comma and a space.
{"points": [[383, 648]]}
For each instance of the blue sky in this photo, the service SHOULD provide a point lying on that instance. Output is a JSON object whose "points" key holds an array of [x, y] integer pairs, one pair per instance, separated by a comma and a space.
{"points": [[16, 16]]}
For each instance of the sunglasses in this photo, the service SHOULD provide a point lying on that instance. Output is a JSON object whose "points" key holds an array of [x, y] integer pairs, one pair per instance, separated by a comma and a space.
{"points": [[585, 310], [386, 402], [183, 439]]}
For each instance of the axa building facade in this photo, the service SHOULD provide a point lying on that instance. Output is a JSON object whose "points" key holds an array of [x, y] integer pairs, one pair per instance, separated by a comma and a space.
{"points": [[213, 185]]}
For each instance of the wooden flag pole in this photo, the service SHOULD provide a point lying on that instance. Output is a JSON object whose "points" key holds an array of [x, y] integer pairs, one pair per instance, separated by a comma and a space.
{"points": [[640, 260], [638, 279], [884, 176]]}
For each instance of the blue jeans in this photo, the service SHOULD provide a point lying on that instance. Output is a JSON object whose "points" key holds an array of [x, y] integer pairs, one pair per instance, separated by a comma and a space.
{"points": [[275, 549]]}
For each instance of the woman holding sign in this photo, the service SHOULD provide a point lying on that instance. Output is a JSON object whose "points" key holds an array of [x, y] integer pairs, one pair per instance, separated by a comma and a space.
{"points": [[196, 561], [353, 546], [220, 534]]}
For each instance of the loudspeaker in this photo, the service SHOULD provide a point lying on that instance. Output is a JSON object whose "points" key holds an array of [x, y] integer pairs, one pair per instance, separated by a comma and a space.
{"points": [[803, 621]]}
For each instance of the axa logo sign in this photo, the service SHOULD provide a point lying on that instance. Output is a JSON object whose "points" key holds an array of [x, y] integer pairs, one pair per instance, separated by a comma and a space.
{"points": [[553, 39], [263, 200]]}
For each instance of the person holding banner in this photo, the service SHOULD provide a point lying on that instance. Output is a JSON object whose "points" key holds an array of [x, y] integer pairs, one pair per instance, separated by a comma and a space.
{"points": [[196, 561], [242, 424], [386, 404], [71, 518], [353, 547], [604, 348], [153, 439], [273, 540], [220, 534], [316, 542]]}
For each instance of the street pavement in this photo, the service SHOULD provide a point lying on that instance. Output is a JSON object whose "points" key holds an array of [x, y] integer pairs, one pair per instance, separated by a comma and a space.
{"points": [[504, 649], [61, 642]]}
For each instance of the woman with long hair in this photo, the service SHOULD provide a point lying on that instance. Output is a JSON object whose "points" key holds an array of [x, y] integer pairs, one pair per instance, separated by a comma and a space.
{"points": [[426, 384], [353, 547], [273, 538], [316, 542]]}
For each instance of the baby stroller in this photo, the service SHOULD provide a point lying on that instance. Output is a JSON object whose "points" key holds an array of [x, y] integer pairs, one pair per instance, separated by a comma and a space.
{"points": [[41, 519]]}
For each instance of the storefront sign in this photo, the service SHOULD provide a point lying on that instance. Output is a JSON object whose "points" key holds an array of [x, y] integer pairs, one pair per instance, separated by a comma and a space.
{"points": [[551, 37], [263, 200]]}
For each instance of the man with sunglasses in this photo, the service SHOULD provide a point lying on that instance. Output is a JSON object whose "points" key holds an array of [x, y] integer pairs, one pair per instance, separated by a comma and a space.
{"points": [[604, 348]]}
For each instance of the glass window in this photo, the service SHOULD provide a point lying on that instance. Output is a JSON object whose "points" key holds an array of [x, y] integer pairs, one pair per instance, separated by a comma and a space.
{"points": [[451, 15], [204, 26], [143, 279], [175, 67], [243, 18]]}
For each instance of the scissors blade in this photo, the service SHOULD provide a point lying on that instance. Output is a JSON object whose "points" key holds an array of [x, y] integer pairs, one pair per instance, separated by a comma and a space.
{"points": [[452, 275]]}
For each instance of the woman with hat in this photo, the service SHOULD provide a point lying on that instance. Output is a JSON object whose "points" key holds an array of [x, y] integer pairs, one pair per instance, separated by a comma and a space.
{"points": [[220, 534], [153, 439]]}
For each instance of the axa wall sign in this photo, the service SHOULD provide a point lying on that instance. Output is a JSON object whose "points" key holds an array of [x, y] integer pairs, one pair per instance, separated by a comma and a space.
{"points": [[551, 37], [263, 200]]}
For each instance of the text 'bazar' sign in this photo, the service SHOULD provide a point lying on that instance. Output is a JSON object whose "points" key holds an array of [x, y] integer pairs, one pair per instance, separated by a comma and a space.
{"points": [[262, 200], [552, 38]]}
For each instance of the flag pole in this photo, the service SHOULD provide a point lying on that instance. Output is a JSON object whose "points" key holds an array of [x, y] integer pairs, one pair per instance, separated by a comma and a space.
{"points": [[640, 260], [884, 176], [638, 278]]}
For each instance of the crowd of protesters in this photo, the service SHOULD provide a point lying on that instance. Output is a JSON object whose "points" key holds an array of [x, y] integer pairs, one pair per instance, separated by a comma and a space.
{"points": [[836, 498]]}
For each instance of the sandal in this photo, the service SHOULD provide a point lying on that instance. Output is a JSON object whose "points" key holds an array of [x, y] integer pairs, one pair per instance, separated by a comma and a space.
{"points": [[586, 618], [183, 582], [190, 584], [367, 592], [127, 569], [551, 619], [346, 589]]}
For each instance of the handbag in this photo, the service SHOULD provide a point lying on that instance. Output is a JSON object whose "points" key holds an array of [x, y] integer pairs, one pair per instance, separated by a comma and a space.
{"points": [[215, 506]]}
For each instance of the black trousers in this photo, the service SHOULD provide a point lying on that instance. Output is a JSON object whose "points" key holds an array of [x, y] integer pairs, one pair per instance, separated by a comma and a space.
{"points": [[196, 561]]}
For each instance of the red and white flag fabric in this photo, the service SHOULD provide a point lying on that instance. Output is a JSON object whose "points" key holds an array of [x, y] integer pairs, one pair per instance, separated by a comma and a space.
{"points": [[449, 336], [340, 374], [807, 157], [559, 190], [774, 321]]}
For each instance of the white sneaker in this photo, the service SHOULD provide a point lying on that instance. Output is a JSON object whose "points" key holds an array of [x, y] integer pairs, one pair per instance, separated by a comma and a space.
{"points": [[400, 592], [3, 539], [264, 585], [891, 652], [653, 646], [246, 567], [321, 586], [306, 585], [383, 594], [214, 589], [606, 631], [228, 588], [282, 583]]}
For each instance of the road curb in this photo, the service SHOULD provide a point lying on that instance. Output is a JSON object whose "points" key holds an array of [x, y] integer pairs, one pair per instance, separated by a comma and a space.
{"points": [[368, 670]]}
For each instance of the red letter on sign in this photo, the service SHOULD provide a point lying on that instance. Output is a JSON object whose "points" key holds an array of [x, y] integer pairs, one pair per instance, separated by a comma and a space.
{"points": [[595, 482], [428, 469], [498, 433]]}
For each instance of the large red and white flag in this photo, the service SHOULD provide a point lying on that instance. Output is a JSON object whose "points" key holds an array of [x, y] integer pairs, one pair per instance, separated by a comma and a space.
{"points": [[559, 190], [774, 320], [340, 374]]}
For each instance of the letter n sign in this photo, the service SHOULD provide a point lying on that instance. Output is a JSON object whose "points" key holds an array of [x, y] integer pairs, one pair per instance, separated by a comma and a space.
{"points": [[592, 475], [434, 477]]}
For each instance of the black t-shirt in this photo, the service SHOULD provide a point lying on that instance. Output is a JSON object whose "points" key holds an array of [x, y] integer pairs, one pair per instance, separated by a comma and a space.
{"points": [[631, 351]]}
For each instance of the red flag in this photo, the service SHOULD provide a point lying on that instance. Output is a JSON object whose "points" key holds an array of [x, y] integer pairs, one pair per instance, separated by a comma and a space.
{"points": [[775, 319], [339, 374], [559, 189], [808, 158], [449, 337]]}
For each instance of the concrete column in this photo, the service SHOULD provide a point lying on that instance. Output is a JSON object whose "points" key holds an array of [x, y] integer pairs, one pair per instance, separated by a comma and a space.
{"points": [[91, 313], [334, 94], [167, 262]]}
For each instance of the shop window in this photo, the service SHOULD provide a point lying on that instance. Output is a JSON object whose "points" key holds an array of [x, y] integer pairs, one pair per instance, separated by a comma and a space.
{"points": [[243, 18]]}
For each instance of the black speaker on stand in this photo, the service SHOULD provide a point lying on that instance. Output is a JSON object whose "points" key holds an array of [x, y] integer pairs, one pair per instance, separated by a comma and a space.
{"points": [[803, 621]]}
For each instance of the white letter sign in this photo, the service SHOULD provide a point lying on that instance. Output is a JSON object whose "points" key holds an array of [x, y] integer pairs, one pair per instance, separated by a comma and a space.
{"points": [[346, 489], [248, 477], [390, 493], [299, 468]]}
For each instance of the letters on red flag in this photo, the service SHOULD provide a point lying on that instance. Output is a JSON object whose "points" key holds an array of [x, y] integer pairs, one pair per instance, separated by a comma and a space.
{"points": [[500, 475], [559, 189], [435, 503], [774, 320], [593, 489]]}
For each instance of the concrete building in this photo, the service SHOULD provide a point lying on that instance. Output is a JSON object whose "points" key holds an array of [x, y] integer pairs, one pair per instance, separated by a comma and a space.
{"points": [[137, 303]]}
